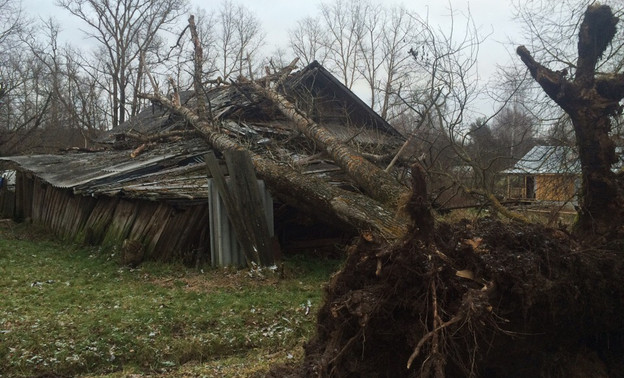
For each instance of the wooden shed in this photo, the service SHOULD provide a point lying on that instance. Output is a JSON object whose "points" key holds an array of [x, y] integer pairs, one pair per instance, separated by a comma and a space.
{"points": [[545, 173], [147, 181]]}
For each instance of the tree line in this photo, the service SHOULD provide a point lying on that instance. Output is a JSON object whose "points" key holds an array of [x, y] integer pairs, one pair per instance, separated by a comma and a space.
{"points": [[423, 78]]}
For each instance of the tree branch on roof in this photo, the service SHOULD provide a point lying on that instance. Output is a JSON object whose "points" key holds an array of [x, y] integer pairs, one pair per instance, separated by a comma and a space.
{"points": [[305, 192], [377, 183]]}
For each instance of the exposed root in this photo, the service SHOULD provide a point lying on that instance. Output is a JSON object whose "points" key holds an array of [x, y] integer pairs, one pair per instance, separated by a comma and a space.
{"points": [[438, 302], [481, 299]]}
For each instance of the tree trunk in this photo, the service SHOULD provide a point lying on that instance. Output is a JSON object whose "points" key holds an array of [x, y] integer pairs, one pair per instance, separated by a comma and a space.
{"points": [[377, 183], [134, 109], [590, 103], [198, 69], [305, 192], [115, 104]]}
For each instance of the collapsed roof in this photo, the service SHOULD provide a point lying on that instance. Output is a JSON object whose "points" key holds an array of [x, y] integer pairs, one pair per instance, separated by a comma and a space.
{"points": [[171, 166]]}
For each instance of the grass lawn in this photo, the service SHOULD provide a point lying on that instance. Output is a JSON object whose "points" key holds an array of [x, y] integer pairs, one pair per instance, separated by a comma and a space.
{"points": [[72, 311]]}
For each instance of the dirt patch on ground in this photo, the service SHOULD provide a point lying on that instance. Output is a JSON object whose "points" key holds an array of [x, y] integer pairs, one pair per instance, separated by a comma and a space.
{"points": [[218, 279], [482, 298]]}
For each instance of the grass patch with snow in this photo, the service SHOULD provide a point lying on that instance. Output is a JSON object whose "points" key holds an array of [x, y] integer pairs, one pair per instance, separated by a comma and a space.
{"points": [[69, 311]]}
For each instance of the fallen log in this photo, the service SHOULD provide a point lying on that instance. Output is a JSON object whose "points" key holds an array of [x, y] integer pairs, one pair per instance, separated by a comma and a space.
{"points": [[376, 182], [307, 193]]}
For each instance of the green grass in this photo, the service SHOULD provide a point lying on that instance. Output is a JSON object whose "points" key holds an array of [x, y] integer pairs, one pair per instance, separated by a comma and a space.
{"points": [[68, 311]]}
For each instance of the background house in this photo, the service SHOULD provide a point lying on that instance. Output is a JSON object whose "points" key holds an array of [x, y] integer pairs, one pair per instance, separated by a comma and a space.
{"points": [[545, 173]]}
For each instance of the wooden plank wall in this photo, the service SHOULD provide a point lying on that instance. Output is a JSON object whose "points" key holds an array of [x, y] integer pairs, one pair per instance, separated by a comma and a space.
{"points": [[168, 232], [7, 203], [183, 236], [555, 187], [20, 179]]}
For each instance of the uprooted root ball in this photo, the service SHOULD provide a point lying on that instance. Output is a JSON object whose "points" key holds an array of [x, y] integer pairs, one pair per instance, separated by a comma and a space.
{"points": [[481, 299]]}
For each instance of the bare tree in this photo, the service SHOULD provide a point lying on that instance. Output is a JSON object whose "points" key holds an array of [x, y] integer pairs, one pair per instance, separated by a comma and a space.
{"points": [[239, 39], [385, 62], [77, 101], [360, 41], [373, 25], [443, 100], [308, 40], [344, 20], [591, 99], [124, 30], [13, 24], [54, 104]]}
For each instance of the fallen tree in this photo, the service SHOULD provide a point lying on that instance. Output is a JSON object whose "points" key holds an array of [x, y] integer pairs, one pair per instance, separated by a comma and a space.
{"points": [[477, 298], [376, 182], [312, 195]]}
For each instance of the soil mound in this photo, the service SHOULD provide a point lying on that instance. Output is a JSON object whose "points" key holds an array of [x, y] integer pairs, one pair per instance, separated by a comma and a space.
{"points": [[475, 299], [483, 299]]}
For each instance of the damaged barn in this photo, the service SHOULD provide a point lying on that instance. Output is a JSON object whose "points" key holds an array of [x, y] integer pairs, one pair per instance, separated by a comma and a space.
{"points": [[147, 180]]}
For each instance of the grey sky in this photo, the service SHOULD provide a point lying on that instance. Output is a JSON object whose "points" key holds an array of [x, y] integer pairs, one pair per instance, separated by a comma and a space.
{"points": [[493, 17], [279, 16]]}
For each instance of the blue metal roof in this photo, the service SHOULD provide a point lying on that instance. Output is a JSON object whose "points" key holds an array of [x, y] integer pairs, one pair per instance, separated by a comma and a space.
{"points": [[548, 160], [543, 160]]}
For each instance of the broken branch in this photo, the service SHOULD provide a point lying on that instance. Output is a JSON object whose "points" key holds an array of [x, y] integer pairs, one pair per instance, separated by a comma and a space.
{"points": [[308, 193], [379, 184], [197, 73]]}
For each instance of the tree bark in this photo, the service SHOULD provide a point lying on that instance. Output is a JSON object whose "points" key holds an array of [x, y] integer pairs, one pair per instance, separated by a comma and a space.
{"points": [[590, 103], [198, 69], [308, 193], [377, 183]]}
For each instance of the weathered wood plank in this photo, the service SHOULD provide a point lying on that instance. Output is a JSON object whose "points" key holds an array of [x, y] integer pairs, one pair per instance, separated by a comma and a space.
{"points": [[28, 190], [249, 205], [38, 204], [171, 234], [99, 220], [155, 229], [7, 206], [190, 247], [121, 222], [19, 200], [56, 216], [146, 211], [232, 210], [81, 210]]}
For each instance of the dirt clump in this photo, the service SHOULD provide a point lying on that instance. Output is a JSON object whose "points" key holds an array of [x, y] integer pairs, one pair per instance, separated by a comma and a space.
{"points": [[482, 298]]}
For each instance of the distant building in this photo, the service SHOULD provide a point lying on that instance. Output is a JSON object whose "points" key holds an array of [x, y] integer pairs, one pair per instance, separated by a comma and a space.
{"points": [[547, 173]]}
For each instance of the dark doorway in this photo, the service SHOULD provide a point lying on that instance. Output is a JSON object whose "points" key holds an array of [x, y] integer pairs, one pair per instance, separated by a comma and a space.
{"points": [[529, 183]]}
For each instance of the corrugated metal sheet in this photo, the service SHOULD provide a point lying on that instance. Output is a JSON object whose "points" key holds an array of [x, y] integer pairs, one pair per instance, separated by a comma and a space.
{"points": [[224, 246], [154, 174], [542, 160], [548, 160]]}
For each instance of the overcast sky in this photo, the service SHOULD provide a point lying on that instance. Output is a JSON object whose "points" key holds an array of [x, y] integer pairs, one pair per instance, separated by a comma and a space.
{"points": [[279, 16], [493, 17]]}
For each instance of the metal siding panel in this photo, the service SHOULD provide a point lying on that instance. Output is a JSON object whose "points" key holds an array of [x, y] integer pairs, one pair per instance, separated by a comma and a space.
{"points": [[225, 250]]}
